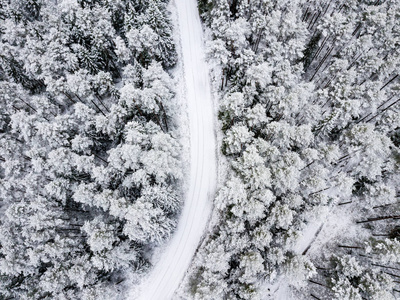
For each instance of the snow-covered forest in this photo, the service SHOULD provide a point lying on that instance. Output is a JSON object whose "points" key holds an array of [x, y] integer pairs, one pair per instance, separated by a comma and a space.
{"points": [[309, 110], [90, 167], [92, 161]]}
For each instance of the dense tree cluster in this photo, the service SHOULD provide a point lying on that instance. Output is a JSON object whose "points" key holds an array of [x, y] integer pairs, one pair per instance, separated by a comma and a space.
{"points": [[89, 169], [309, 108]]}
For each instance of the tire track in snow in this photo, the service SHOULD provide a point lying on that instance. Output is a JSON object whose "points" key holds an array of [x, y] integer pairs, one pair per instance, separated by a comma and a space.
{"points": [[167, 274]]}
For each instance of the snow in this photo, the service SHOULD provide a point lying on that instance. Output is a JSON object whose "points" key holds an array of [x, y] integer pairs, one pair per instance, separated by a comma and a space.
{"points": [[326, 227], [308, 236], [167, 274]]}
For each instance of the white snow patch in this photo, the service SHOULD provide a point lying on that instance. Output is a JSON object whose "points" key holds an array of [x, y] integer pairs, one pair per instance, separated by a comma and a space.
{"points": [[327, 226]]}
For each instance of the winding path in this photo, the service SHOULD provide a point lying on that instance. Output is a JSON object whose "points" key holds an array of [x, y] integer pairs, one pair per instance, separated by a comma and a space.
{"points": [[164, 279]]}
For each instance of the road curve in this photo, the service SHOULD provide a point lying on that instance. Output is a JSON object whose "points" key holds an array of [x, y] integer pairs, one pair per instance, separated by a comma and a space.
{"points": [[164, 279]]}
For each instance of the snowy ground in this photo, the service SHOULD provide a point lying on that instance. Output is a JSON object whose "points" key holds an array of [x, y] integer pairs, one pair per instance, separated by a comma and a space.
{"points": [[326, 227], [164, 279]]}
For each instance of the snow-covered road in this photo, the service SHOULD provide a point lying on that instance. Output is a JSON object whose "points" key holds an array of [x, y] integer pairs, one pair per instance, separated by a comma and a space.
{"points": [[164, 279]]}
